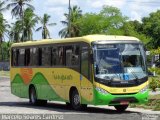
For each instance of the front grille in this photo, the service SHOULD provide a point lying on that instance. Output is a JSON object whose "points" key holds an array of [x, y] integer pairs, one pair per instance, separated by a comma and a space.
{"points": [[128, 99], [124, 94]]}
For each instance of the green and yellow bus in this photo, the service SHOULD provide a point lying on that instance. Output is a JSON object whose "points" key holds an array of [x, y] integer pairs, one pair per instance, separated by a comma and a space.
{"points": [[88, 70]]}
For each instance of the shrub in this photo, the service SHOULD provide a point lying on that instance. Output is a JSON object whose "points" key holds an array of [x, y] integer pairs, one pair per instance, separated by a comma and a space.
{"points": [[157, 105], [154, 83]]}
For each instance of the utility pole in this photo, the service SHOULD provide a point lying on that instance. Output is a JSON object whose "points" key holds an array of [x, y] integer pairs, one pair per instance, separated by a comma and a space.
{"points": [[69, 19]]}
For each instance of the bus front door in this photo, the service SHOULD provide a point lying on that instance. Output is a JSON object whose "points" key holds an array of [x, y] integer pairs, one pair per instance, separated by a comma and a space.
{"points": [[86, 84]]}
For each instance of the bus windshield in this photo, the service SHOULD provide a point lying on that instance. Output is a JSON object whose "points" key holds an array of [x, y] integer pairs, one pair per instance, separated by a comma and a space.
{"points": [[124, 61]]}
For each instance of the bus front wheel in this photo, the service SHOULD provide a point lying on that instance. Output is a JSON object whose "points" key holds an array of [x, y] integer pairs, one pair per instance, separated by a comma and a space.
{"points": [[121, 108], [75, 101]]}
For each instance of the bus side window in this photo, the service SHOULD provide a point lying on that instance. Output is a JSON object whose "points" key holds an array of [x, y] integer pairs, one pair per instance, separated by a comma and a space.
{"points": [[21, 59], [85, 62], [68, 55], [17, 57], [61, 56], [14, 57], [75, 56], [27, 57], [54, 60], [39, 56], [46, 56], [33, 56]]}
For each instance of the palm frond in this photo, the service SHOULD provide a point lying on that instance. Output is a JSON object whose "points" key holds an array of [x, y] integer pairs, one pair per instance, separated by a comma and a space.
{"points": [[63, 33], [11, 5], [15, 11], [52, 24], [30, 6], [38, 29], [64, 23]]}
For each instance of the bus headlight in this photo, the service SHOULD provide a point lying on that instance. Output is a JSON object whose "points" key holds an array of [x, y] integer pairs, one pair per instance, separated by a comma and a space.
{"points": [[101, 90], [144, 89]]}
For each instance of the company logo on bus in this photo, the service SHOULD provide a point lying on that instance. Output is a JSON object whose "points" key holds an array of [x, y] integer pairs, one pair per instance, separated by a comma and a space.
{"points": [[124, 90]]}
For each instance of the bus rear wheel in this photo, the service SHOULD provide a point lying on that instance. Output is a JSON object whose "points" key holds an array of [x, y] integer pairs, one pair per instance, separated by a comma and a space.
{"points": [[33, 98], [75, 101], [121, 108]]}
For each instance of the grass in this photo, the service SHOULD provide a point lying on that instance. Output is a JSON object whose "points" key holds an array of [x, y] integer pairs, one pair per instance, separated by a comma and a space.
{"points": [[153, 103], [5, 73], [152, 97]]}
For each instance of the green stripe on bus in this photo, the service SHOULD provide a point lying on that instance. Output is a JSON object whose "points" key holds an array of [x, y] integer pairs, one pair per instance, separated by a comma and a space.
{"points": [[41, 84]]}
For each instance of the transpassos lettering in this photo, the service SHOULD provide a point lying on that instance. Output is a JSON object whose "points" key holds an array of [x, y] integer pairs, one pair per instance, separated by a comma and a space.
{"points": [[63, 77]]}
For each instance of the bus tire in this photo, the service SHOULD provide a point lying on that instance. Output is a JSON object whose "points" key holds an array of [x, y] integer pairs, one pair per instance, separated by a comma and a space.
{"points": [[42, 102], [68, 104], [75, 101], [121, 108], [33, 96]]}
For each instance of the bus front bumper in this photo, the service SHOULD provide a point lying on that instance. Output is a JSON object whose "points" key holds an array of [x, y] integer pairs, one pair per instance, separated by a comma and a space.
{"points": [[120, 99]]}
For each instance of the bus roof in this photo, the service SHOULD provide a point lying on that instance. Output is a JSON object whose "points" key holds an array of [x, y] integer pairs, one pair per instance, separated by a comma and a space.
{"points": [[87, 39]]}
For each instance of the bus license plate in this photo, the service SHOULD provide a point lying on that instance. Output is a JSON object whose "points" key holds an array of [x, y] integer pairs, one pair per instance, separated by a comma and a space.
{"points": [[124, 102]]}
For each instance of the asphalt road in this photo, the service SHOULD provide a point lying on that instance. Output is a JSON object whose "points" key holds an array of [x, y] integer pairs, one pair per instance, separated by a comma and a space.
{"points": [[20, 108]]}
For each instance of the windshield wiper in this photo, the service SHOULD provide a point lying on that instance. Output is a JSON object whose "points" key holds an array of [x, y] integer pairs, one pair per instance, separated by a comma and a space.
{"points": [[135, 76]]}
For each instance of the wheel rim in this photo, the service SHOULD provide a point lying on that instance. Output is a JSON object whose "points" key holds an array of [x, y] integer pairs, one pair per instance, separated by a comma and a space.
{"points": [[76, 99], [33, 97]]}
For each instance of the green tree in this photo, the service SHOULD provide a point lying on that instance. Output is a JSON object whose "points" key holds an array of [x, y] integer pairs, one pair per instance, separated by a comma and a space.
{"points": [[18, 7], [3, 30], [45, 23], [134, 28], [76, 14], [108, 21], [137, 26], [16, 31], [6, 50], [29, 22], [151, 27]]}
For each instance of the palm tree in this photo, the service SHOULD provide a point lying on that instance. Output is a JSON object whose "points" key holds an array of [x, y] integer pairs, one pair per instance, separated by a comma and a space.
{"points": [[22, 30], [16, 31], [2, 3], [76, 14], [29, 22], [3, 27], [18, 7], [3, 30], [44, 21]]}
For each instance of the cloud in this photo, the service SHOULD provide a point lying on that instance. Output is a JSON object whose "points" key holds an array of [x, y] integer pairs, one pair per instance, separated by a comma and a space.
{"points": [[57, 11], [97, 4], [60, 2], [8, 16], [135, 16], [134, 9], [116, 3], [139, 9], [100, 3]]}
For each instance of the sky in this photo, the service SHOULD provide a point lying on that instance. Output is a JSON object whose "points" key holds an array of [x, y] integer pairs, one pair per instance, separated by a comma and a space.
{"points": [[134, 9]]}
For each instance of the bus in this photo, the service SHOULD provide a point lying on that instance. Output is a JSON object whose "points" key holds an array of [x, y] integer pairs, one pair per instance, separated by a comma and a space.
{"points": [[81, 71]]}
